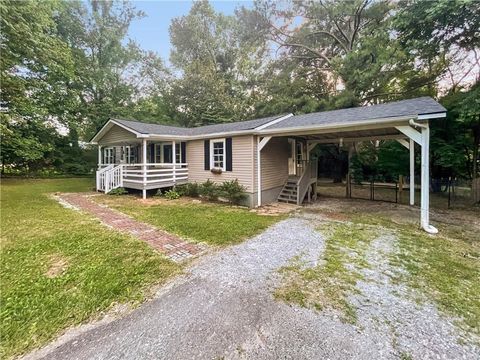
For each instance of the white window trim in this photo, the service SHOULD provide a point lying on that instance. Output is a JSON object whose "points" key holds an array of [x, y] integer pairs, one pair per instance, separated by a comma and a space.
{"points": [[159, 147], [105, 157], [212, 141], [128, 154], [158, 150]]}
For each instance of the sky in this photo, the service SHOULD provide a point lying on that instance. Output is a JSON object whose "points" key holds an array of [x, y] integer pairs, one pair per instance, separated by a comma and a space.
{"points": [[151, 32]]}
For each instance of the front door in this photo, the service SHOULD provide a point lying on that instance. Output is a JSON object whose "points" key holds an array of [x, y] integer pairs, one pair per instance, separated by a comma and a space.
{"points": [[167, 153]]}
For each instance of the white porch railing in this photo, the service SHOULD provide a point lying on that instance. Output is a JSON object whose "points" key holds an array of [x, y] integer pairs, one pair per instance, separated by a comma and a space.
{"points": [[141, 175]]}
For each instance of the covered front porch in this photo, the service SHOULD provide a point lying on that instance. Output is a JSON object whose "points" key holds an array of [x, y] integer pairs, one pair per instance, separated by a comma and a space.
{"points": [[141, 164]]}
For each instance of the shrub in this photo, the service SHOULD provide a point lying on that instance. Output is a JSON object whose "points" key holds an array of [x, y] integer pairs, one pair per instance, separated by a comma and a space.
{"points": [[233, 191], [172, 194], [118, 191], [189, 189], [159, 193], [209, 190]]}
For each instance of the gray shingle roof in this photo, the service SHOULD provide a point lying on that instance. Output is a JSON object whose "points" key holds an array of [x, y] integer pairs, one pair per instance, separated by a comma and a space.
{"points": [[411, 107], [145, 128]]}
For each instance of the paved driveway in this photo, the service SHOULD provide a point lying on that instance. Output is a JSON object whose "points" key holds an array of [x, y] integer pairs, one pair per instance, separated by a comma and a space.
{"points": [[224, 308]]}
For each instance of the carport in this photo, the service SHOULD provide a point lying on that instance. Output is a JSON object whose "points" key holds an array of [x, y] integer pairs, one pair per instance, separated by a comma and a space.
{"points": [[405, 121]]}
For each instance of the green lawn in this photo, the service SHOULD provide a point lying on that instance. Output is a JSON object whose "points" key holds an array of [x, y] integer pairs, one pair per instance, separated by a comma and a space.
{"points": [[60, 268], [213, 223]]}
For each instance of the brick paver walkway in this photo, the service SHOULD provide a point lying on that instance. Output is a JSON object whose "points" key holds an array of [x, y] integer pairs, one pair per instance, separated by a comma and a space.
{"points": [[172, 246]]}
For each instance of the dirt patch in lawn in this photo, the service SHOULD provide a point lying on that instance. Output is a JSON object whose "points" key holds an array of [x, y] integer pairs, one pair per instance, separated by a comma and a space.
{"points": [[57, 265]]}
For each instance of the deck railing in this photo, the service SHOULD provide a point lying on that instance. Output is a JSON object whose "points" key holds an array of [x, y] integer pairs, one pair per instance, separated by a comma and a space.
{"points": [[149, 175], [307, 178]]}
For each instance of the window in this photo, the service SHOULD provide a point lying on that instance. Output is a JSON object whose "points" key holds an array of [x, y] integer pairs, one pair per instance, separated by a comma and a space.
{"points": [[158, 153], [163, 153], [109, 155], [128, 154], [178, 153], [217, 154]]}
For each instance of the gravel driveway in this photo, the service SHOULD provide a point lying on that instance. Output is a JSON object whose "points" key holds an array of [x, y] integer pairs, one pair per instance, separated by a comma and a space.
{"points": [[224, 308]]}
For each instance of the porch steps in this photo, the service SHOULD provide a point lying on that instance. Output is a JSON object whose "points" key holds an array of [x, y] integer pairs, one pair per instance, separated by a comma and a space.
{"points": [[289, 191]]}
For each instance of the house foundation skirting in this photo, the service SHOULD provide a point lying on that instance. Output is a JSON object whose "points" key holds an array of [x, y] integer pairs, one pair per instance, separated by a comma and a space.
{"points": [[268, 196]]}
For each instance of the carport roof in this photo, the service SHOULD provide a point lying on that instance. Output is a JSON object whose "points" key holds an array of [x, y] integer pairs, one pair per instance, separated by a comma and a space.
{"points": [[400, 109]]}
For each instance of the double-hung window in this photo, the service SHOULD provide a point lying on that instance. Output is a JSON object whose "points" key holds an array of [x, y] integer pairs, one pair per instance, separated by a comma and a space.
{"points": [[128, 154], [217, 154], [108, 155]]}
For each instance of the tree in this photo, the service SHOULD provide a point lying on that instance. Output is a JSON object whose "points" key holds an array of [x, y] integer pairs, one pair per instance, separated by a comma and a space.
{"points": [[213, 66]]}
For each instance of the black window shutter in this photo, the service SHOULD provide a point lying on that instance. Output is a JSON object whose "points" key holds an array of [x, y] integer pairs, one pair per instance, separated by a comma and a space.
{"points": [[152, 153], [228, 154], [183, 147], [206, 152], [114, 155]]}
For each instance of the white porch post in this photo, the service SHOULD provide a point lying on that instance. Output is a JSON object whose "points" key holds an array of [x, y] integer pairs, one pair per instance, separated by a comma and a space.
{"points": [[259, 174], [174, 161], [412, 172], [99, 156], [144, 167]]}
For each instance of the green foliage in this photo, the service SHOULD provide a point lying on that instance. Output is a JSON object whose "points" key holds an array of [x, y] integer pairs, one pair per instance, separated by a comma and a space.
{"points": [[189, 189], [61, 268], [233, 191], [171, 194], [210, 190], [118, 191]]}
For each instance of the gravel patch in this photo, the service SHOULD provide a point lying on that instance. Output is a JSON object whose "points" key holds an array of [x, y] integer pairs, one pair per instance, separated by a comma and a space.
{"points": [[224, 308], [412, 327]]}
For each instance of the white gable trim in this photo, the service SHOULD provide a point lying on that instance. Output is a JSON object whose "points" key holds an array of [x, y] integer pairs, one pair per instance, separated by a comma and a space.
{"points": [[261, 127], [108, 125]]}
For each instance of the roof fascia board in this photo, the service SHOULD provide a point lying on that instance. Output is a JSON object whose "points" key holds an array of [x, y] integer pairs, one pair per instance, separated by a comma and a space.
{"points": [[432, 116], [374, 123], [261, 127]]}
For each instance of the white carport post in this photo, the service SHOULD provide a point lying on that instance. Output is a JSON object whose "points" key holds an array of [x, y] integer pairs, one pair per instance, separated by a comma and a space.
{"points": [[423, 139], [144, 168], [411, 146], [412, 172], [261, 142]]}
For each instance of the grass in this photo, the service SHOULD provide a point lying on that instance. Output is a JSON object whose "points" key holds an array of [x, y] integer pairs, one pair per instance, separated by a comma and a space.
{"points": [[213, 223], [444, 268], [60, 268], [328, 284]]}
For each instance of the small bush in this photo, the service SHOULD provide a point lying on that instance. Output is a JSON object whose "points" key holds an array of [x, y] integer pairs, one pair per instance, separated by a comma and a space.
{"points": [[118, 191], [159, 193], [189, 189], [171, 194], [233, 191], [209, 190]]}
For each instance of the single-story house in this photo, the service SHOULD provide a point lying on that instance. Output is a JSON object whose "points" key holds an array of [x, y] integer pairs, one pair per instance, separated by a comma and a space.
{"points": [[270, 157]]}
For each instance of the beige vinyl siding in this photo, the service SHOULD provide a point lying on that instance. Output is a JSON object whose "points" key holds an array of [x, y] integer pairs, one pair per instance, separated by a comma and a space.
{"points": [[116, 134], [242, 162], [274, 163]]}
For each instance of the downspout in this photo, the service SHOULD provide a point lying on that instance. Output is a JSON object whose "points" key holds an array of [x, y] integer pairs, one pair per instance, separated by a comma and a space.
{"points": [[424, 205]]}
